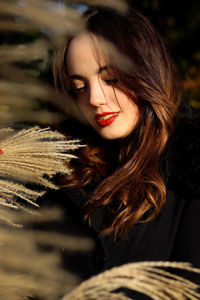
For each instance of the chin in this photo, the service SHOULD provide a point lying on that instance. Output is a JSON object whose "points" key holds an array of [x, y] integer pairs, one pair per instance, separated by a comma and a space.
{"points": [[113, 135]]}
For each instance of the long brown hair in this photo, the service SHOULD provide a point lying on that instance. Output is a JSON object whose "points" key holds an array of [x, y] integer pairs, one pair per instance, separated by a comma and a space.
{"points": [[130, 182]]}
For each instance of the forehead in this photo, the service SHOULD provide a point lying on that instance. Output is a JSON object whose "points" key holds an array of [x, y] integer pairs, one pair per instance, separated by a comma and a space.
{"points": [[83, 54]]}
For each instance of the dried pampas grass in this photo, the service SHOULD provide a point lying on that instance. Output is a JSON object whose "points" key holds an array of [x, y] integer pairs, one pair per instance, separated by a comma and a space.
{"points": [[24, 52], [27, 156], [19, 94], [19, 89], [144, 277], [40, 13], [26, 268]]}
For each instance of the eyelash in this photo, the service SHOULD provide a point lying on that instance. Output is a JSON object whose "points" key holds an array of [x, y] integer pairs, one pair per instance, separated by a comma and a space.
{"points": [[82, 89], [78, 90], [111, 81]]}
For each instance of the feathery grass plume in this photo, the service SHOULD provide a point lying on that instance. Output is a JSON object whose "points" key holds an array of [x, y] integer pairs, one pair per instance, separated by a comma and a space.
{"points": [[144, 277], [10, 25], [32, 19], [19, 92], [26, 269], [40, 13], [28, 155], [25, 52], [67, 241]]}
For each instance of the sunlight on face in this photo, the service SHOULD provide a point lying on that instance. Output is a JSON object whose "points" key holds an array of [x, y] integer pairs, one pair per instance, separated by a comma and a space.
{"points": [[108, 109]]}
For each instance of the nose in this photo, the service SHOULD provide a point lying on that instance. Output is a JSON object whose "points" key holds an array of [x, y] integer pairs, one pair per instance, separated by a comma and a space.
{"points": [[97, 95]]}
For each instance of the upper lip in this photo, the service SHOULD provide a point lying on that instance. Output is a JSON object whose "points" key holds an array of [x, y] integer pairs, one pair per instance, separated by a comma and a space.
{"points": [[105, 113]]}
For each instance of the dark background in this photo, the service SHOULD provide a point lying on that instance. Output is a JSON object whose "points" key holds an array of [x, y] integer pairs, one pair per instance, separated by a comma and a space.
{"points": [[179, 24]]}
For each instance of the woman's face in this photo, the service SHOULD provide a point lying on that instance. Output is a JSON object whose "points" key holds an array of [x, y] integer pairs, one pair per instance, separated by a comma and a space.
{"points": [[108, 109]]}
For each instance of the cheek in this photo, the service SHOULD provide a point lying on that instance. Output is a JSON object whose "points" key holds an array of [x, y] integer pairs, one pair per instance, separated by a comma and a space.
{"points": [[131, 112], [128, 105], [132, 109], [134, 113]]}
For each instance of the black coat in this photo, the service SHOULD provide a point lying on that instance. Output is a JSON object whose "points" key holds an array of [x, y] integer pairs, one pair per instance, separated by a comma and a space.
{"points": [[174, 235]]}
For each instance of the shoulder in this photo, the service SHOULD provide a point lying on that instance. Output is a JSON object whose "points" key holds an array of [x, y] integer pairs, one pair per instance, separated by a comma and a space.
{"points": [[182, 154]]}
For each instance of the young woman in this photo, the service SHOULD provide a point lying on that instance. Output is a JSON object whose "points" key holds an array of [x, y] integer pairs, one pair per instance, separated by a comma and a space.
{"points": [[135, 180]]}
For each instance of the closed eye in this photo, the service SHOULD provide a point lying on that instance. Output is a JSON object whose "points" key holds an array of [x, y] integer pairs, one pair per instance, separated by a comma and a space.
{"points": [[78, 84], [111, 81], [78, 89]]}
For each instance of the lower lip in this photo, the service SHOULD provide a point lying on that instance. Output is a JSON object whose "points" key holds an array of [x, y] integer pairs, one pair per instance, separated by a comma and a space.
{"points": [[107, 121]]}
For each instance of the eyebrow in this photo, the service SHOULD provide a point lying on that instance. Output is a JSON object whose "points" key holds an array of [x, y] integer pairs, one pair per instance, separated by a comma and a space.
{"points": [[76, 76], [99, 71]]}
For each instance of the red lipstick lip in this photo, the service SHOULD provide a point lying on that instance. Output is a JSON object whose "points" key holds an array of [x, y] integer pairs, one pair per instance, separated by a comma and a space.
{"points": [[108, 121]]}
